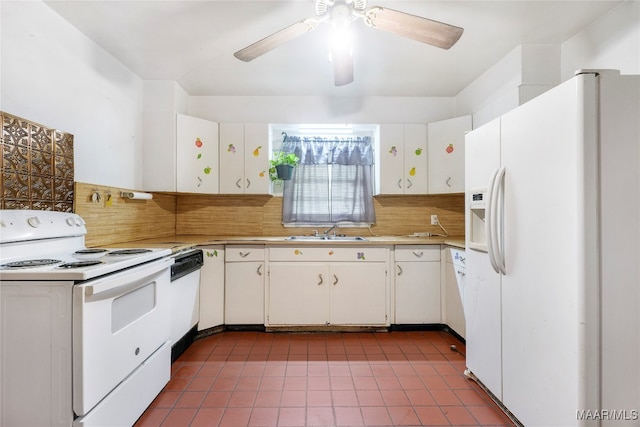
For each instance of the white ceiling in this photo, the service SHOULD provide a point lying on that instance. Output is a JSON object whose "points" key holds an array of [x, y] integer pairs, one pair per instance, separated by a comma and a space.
{"points": [[192, 42]]}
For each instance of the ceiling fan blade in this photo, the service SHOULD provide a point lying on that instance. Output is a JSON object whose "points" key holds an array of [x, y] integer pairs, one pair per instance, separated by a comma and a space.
{"points": [[276, 39], [414, 27]]}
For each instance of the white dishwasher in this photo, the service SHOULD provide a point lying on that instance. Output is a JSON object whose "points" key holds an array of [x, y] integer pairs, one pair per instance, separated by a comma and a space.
{"points": [[184, 299]]}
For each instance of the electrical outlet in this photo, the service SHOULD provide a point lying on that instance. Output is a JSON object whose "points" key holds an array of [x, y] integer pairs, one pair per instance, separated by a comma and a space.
{"points": [[434, 219]]}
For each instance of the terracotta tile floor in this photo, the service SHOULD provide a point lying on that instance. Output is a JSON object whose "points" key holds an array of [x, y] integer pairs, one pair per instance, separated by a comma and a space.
{"points": [[322, 379]]}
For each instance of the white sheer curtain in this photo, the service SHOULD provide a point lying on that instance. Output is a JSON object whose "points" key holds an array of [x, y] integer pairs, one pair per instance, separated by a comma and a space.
{"points": [[333, 182]]}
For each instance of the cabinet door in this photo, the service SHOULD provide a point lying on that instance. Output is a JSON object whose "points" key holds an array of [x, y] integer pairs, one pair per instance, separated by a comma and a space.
{"points": [[358, 293], [212, 288], [417, 287], [298, 293], [232, 153], [446, 154], [196, 155], [454, 313], [391, 160], [256, 163], [244, 293], [415, 159]]}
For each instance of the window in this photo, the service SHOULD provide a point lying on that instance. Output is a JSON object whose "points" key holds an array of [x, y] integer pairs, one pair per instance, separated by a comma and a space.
{"points": [[333, 182]]}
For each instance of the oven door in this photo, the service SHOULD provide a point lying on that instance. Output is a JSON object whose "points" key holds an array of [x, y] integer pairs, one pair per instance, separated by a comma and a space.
{"points": [[119, 320]]}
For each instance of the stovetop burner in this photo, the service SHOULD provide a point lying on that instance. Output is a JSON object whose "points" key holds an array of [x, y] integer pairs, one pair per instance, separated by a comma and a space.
{"points": [[90, 251], [129, 251], [79, 264], [31, 263]]}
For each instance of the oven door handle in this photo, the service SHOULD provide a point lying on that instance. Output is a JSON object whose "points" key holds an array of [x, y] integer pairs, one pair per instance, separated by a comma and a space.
{"points": [[109, 283]]}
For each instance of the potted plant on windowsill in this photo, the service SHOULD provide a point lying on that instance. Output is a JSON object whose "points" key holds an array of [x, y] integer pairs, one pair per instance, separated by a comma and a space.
{"points": [[281, 166]]}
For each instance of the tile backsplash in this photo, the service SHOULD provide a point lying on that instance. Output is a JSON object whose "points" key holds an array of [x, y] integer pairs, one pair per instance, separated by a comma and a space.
{"points": [[37, 166]]}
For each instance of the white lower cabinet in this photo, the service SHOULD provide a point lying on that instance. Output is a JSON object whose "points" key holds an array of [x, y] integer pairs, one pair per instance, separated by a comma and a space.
{"points": [[417, 284], [212, 288], [244, 285], [328, 286], [454, 289]]}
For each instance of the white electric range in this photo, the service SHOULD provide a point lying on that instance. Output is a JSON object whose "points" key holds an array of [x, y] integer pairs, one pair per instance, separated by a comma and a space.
{"points": [[84, 332]]}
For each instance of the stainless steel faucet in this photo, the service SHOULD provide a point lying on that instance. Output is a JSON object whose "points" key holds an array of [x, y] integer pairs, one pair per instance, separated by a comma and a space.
{"points": [[330, 229]]}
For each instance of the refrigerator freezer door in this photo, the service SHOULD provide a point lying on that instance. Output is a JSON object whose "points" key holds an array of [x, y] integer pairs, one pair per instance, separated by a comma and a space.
{"points": [[482, 304]]}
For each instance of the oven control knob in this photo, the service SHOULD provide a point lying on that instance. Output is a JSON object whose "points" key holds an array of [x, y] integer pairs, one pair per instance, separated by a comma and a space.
{"points": [[79, 222], [70, 221], [34, 221]]}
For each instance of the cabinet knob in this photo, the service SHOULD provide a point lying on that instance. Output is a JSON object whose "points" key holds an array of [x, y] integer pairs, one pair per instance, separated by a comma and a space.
{"points": [[321, 280], [248, 183], [400, 271], [400, 183], [244, 254], [409, 183], [335, 280], [447, 182], [418, 254], [238, 183], [259, 270]]}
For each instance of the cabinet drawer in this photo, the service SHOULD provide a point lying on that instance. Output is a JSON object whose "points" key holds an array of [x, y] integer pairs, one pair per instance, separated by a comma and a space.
{"points": [[327, 253], [244, 253], [417, 253]]}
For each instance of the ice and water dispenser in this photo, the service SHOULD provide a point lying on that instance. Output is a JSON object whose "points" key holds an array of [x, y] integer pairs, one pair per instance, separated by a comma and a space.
{"points": [[477, 207]]}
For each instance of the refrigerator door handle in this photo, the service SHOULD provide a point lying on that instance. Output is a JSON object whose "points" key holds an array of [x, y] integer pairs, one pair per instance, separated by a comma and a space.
{"points": [[488, 222], [497, 218]]}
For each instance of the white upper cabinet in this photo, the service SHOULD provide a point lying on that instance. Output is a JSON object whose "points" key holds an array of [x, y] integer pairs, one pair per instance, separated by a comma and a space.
{"points": [[244, 158], [180, 153], [402, 160], [196, 155], [446, 154]]}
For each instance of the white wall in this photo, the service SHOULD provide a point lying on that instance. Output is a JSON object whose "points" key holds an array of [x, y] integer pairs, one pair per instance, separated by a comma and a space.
{"points": [[613, 41], [52, 74], [316, 109]]}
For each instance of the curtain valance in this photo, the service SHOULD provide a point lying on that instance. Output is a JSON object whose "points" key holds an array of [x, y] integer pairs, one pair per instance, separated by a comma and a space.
{"points": [[319, 150]]}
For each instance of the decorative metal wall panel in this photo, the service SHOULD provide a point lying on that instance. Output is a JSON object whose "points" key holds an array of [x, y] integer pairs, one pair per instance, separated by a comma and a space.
{"points": [[37, 166]]}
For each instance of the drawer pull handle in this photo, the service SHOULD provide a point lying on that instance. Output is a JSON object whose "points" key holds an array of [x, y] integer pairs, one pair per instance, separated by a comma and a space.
{"points": [[409, 183], [400, 271], [259, 270], [248, 183], [400, 183], [447, 182], [321, 281], [238, 183], [335, 281], [244, 254], [418, 254]]}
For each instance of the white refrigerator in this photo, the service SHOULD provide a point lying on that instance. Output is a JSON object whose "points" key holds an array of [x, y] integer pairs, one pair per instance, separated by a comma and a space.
{"points": [[553, 254]]}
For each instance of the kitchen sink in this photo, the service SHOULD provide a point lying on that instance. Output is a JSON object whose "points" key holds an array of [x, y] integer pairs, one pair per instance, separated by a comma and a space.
{"points": [[329, 238]]}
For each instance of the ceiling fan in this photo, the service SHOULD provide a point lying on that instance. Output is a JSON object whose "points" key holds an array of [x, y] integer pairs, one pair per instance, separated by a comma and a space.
{"points": [[339, 14]]}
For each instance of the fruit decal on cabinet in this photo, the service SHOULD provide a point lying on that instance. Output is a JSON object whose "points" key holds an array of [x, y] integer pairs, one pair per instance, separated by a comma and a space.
{"points": [[393, 151], [449, 149], [207, 169], [360, 255], [412, 171], [256, 152], [212, 254], [231, 148], [418, 151]]}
